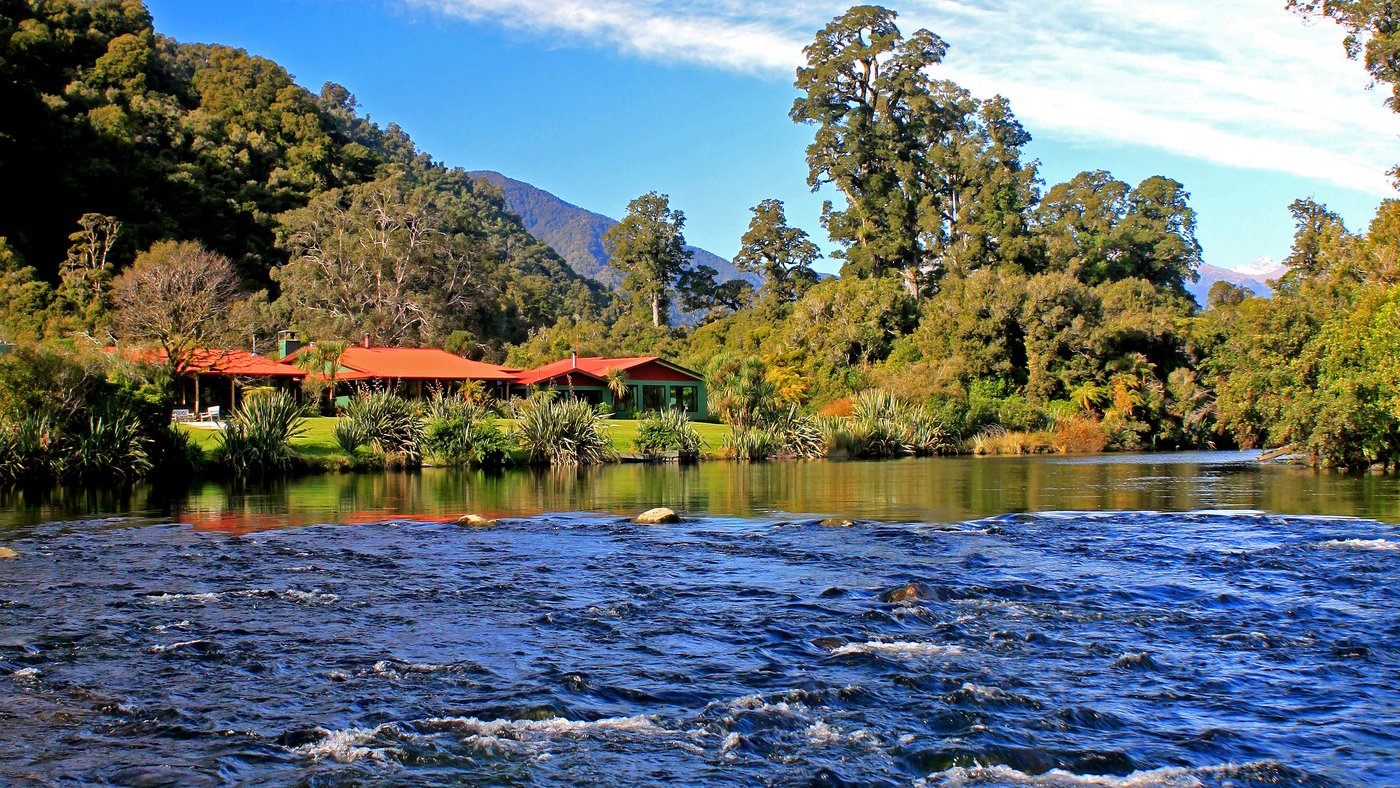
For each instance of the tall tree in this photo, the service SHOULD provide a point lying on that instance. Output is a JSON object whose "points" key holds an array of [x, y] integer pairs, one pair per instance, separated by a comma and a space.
{"points": [[176, 296], [878, 117], [782, 254], [648, 247]]}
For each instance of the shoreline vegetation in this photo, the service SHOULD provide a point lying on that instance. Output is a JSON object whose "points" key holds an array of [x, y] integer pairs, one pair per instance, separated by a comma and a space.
{"points": [[187, 196]]}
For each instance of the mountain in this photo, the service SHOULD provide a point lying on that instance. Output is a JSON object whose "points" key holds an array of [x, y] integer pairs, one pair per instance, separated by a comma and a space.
{"points": [[1254, 277], [577, 233]]}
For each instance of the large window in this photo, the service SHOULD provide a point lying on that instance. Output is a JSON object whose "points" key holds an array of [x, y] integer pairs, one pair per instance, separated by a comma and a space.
{"points": [[685, 398], [653, 398]]}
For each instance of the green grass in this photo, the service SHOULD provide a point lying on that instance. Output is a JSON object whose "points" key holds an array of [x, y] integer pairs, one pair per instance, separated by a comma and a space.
{"points": [[318, 439]]}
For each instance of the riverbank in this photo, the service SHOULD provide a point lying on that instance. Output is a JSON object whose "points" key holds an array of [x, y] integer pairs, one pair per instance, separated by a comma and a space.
{"points": [[317, 450]]}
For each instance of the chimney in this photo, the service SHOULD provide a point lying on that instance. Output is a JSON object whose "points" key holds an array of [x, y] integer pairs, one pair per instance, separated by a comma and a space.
{"points": [[288, 342], [574, 359], [366, 340]]}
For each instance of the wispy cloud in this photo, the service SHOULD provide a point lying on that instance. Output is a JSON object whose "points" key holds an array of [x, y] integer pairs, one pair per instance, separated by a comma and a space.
{"points": [[1242, 83]]}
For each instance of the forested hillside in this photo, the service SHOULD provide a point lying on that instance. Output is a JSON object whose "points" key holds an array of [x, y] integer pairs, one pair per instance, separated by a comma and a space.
{"points": [[124, 138], [175, 194]]}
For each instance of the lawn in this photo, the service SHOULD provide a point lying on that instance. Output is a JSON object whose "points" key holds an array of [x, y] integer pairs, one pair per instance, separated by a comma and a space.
{"points": [[318, 439]]}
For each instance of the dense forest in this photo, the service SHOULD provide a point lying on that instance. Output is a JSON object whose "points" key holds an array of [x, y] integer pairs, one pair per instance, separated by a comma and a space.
{"points": [[1014, 315]]}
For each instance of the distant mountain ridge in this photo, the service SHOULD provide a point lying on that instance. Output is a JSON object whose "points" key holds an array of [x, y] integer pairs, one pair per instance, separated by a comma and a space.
{"points": [[1256, 279], [577, 233]]}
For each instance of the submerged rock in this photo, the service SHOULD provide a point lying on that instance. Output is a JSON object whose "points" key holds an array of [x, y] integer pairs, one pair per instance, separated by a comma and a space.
{"points": [[6, 552], [837, 523], [909, 592], [475, 521], [829, 642], [657, 516]]}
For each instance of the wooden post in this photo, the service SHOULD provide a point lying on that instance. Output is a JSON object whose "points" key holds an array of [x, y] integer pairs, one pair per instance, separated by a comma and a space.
{"points": [[196, 393]]}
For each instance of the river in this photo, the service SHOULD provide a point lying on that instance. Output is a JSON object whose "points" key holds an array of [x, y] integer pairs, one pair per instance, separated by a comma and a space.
{"points": [[1188, 619]]}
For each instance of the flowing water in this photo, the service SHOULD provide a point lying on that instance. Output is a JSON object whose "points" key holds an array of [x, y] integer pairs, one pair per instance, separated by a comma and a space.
{"points": [[1183, 620]]}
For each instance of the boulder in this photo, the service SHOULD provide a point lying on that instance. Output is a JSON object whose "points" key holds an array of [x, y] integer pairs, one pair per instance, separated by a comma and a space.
{"points": [[6, 552], [657, 516], [909, 592], [475, 521], [829, 642], [835, 523]]}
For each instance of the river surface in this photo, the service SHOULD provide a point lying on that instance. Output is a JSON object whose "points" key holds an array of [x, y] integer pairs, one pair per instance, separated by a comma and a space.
{"points": [[1170, 620]]}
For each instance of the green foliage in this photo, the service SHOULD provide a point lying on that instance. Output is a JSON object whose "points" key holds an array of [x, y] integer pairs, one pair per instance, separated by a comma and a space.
{"points": [[350, 434], [68, 416], [389, 423], [781, 254], [669, 430], [883, 425], [256, 443], [739, 390], [648, 247], [750, 444], [555, 431], [463, 431]]}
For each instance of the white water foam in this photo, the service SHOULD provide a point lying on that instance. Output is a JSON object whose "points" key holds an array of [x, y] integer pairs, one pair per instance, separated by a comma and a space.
{"points": [[1169, 777], [1383, 545], [349, 745], [27, 673], [183, 644], [551, 727], [898, 649], [314, 596]]}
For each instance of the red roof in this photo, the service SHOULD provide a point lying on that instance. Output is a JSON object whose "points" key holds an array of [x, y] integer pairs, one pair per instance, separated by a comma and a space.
{"points": [[593, 366], [414, 363], [239, 363]]}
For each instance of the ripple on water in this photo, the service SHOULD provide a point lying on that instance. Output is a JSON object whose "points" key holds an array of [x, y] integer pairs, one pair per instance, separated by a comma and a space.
{"points": [[1111, 648]]}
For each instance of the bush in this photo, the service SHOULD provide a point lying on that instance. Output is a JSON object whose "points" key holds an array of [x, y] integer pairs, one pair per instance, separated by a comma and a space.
{"points": [[883, 425], [797, 435], [350, 435], [462, 431], [752, 444], [257, 441], [71, 416], [669, 430], [390, 424], [111, 448], [553, 431]]}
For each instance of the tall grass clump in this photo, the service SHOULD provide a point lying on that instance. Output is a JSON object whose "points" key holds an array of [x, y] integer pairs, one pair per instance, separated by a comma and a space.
{"points": [[553, 431], [388, 423], [751, 444], [883, 425], [74, 416], [463, 431], [257, 441], [788, 434], [669, 430]]}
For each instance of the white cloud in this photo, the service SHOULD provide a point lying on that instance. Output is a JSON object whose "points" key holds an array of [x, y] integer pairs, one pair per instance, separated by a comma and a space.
{"points": [[1241, 83]]}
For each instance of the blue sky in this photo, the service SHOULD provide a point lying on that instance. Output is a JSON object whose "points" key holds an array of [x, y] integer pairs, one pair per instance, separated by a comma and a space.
{"points": [[598, 101]]}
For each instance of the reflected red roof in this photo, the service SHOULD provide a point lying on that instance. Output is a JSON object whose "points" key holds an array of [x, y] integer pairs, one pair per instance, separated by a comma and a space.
{"points": [[238, 363], [414, 363]]}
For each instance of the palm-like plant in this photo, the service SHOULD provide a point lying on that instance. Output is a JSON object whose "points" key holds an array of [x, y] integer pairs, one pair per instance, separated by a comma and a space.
{"points": [[323, 358], [617, 383], [1088, 395]]}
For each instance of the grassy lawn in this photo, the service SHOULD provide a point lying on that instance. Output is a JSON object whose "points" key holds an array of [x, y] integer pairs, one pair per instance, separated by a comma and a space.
{"points": [[318, 439]]}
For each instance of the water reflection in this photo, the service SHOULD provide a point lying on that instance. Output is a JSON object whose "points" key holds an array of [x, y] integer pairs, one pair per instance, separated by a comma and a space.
{"points": [[936, 490]]}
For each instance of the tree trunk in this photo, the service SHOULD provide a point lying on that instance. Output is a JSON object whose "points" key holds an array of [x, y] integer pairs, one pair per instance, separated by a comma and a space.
{"points": [[656, 311], [911, 280]]}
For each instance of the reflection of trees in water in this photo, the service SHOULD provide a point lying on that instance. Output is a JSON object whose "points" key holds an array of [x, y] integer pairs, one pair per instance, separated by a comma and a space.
{"points": [[937, 490]]}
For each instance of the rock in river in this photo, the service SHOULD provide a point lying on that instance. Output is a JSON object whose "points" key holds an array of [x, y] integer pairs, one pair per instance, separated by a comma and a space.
{"points": [[909, 592], [837, 523], [657, 516], [6, 552], [475, 521]]}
